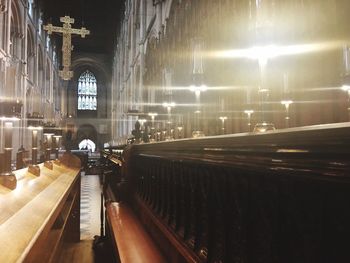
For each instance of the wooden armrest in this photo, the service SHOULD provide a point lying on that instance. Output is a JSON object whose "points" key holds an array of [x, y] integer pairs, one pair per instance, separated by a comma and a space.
{"points": [[133, 242]]}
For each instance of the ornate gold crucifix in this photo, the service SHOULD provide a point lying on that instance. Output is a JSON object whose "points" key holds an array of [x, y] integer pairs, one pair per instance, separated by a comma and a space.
{"points": [[67, 47]]}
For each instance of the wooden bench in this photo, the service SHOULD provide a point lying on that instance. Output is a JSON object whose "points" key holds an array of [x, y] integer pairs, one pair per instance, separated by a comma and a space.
{"points": [[42, 214], [128, 236]]}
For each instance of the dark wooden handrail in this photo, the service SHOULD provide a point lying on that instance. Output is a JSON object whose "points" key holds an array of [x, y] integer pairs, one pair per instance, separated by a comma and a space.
{"points": [[281, 196], [316, 148], [131, 239]]}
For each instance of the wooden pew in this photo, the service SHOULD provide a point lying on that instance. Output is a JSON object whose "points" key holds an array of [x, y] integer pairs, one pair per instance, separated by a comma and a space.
{"points": [[41, 214]]}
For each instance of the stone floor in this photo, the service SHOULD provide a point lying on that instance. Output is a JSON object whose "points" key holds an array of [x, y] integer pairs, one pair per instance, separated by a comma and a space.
{"points": [[90, 207], [89, 226]]}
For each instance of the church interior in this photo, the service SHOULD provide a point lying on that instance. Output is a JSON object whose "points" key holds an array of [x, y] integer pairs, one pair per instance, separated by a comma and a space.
{"points": [[175, 131]]}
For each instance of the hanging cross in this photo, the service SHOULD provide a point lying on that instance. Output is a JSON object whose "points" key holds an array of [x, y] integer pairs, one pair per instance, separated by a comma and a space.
{"points": [[67, 47]]}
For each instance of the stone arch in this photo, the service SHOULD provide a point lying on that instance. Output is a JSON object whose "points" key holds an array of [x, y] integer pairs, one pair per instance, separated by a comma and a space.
{"points": [[87, 131], [13, 76], [92, 70], [79, 65], [96, 65], [17, 17], [16, 31]]}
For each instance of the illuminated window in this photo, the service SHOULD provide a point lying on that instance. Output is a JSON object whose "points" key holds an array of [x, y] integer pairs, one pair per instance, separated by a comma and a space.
{"points": [[87, 91]]}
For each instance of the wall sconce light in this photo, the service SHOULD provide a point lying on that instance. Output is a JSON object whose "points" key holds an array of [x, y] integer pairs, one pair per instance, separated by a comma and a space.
{"points": [[169, 106], [249, 116], [197, 132], [223, 119], [57, 137], [142, 122], [179, 132], [346, 88], [286, 104], [152, 132], [10, 111], [153, 115]]}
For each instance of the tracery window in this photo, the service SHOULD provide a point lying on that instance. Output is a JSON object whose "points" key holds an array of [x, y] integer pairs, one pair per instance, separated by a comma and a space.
{"points": [[87, 91]]}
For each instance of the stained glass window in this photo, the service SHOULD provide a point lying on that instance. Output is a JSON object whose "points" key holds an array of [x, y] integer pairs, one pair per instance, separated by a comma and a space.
{"points": [[87, 91]]}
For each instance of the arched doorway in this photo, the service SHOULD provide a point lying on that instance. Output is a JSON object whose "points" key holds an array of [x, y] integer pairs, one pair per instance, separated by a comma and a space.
{"points": [[87, 137], [87, 144]]}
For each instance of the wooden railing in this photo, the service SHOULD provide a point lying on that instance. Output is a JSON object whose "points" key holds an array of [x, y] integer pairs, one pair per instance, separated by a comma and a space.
{"points": [[276, 197]]}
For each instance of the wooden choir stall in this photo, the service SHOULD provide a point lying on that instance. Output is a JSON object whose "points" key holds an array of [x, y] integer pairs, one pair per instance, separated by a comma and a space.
{"points": [[280, 196], [41, 213]]}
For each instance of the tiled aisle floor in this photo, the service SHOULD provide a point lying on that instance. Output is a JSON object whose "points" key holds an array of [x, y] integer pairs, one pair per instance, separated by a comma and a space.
{"points": [[90, 207], [89, 223]]}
